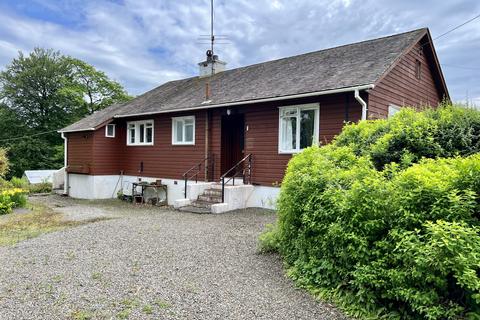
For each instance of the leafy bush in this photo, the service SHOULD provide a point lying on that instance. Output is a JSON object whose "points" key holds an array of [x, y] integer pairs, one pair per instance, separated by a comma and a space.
{"points": [[44, 187], [6, 204], [372, 223], [268, 240], [3, 162], [12, 198], [410, 135], [21, 183]]}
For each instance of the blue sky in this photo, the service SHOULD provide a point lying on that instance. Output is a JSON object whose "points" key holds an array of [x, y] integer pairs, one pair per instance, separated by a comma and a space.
{"points": [[143, 43]]}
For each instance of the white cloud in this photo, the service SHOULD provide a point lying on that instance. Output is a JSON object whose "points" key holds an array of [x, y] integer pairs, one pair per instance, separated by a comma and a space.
{"points": [[144, 43]]}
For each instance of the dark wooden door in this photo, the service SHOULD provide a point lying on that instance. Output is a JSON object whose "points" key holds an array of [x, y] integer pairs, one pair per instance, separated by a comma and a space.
{"points": [[233, 140]]}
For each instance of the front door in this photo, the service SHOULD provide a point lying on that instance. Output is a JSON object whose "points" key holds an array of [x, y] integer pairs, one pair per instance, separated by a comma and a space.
{"points": [[233, 140]]}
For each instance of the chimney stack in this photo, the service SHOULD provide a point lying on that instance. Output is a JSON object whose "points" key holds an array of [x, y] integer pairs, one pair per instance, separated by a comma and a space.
{"points": [[211, 66]]}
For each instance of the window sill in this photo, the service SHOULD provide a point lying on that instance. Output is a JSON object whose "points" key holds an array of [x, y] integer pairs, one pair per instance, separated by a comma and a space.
{"points": [[289, 152], [139, 144], [183, 143]]}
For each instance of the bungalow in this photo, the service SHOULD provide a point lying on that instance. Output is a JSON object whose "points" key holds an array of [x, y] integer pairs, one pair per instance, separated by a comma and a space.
{"points": [[198, 134]]}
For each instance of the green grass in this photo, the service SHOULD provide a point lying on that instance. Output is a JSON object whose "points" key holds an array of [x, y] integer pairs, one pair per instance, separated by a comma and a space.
{"points": [[17, 227], [81, 315], [162, 304]]}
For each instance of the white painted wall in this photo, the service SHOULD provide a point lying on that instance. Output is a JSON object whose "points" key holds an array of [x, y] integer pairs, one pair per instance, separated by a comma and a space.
{"points": [[105, 187], [58, 178], [81, 186], [264, 197]]}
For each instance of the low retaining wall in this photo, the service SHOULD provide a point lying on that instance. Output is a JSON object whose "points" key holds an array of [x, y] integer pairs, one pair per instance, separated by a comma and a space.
{"points": [[84, 186]]}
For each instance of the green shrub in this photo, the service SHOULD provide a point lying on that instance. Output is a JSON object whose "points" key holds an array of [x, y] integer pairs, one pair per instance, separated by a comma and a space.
{"points": [[3, 162], [44, 187], [268, 240], [6, 204], [21, 183], [16, 197], [381, 223], [410, 135]]}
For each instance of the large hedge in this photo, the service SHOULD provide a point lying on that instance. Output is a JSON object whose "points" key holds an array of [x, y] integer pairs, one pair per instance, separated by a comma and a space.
{"points": [[381, 222]]}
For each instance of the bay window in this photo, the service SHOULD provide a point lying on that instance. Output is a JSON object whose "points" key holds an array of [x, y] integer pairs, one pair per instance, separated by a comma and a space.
{"points": [[298, 127], [140, 133], [183, 130]]}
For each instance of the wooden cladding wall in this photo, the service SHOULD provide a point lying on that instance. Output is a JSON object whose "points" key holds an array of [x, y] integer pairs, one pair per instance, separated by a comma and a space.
{"points": [[110, 156], [80, 152], [108, 153], [401, 87], [261, 139]]}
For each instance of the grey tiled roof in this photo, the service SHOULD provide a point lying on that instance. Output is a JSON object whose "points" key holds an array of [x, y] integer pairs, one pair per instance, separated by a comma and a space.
{"points": [[350, 65]]}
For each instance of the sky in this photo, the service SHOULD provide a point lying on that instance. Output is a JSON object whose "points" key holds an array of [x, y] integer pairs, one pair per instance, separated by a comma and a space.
{"points": [[144, 43]]}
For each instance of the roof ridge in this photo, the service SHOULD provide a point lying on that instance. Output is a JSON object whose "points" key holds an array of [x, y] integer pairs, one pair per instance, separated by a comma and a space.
{"points": [[330, 48]]}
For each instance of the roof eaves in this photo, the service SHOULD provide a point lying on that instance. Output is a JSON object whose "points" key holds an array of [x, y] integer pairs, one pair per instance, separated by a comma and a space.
{"points": [[76, 130]]}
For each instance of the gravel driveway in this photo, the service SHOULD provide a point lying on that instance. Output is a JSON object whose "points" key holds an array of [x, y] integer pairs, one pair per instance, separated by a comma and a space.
{"points": [[150, 263]]}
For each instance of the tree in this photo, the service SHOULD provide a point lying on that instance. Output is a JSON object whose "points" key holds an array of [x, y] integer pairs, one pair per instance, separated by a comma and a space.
{"points": [[42, 93], [40, 90], [97, 90], [3, 162]]}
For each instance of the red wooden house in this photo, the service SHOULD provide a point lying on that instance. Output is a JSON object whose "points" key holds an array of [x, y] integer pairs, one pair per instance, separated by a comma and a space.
{"points": [[261, 114]]}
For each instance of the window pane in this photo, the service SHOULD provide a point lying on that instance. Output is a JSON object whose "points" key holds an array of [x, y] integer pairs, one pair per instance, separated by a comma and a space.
{"points": [[307, 128], [149, 134], [289, 112], [289, 133], [179, 129], [188, 133], [188, 121], [142, 133], [132, 135], [110, 130]]}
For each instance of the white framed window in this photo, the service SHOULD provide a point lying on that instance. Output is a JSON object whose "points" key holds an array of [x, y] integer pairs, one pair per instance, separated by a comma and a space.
{"points": [[392, 109], [140, 133], [298, 127], [183, 130], [110, 131]]}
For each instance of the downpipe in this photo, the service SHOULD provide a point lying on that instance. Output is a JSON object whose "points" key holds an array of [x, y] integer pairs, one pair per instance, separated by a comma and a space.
{"points": [[65, 177], [362, 103]]}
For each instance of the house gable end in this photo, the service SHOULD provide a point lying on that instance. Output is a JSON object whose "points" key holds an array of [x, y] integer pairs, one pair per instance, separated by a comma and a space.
{"points": [[415, 79]]}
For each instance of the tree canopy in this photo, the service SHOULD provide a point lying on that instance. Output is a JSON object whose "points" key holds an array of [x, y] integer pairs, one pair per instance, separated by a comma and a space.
{"points": [[42, 92]]}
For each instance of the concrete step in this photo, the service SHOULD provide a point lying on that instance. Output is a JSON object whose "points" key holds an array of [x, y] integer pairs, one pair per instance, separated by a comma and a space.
{"points": [[213, 192], [202, 204], [194, 209], [210, 198]]}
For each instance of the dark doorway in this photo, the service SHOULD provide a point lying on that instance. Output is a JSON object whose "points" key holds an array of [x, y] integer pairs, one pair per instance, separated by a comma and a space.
{"points": [[233, 140]]}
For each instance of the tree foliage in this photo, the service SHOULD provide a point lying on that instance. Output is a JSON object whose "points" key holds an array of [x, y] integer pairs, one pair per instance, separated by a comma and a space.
{"points": [[382, 223], [3, 162], [41, 93], [94, 86]]}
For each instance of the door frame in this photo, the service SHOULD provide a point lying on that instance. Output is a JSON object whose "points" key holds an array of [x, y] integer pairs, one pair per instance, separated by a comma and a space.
{"points": [[228, 161]]}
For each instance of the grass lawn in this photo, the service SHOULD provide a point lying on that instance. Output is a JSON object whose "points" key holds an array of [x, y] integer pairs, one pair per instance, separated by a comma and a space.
{"points": [[16, 227]]}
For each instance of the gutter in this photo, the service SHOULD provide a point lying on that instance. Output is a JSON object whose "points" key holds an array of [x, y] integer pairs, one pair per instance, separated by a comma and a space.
{"points": [[293, 96], [65, 179], [77, 130]]}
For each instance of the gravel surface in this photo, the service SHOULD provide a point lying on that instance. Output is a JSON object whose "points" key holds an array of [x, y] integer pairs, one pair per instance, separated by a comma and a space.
{"points": [[150, 263]]}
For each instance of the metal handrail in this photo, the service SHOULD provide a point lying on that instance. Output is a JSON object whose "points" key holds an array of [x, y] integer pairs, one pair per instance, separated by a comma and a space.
{"points": [[198, 166], [247, 178]]}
